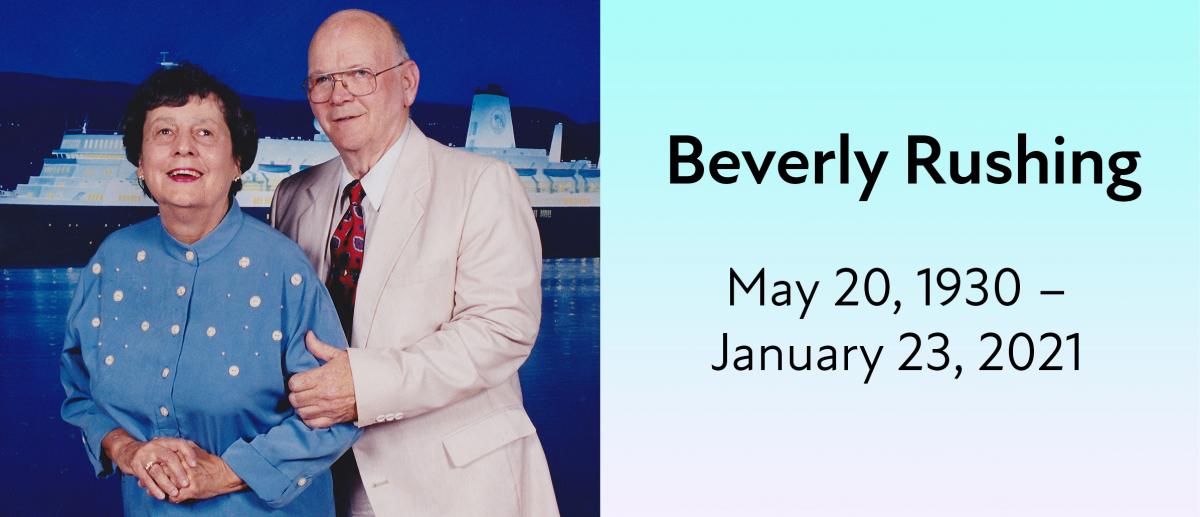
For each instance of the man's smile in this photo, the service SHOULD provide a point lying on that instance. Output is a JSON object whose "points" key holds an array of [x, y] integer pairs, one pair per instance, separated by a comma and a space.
{"points": [[346, 118]]}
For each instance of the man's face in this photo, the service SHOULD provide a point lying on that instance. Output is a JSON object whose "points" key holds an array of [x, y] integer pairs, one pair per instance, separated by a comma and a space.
{"points": [[371, 122]]}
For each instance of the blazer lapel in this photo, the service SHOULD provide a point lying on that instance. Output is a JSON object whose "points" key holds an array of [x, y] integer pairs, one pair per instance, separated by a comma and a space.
{"points": [[402, 208], [314, 221]]}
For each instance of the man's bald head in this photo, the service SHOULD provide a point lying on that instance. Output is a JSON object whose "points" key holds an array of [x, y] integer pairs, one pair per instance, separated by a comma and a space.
{"points": [[363, 48], [363, 22]]}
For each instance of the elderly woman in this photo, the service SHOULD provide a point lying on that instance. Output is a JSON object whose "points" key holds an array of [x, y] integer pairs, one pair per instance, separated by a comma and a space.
{"points": [[185, 327]]}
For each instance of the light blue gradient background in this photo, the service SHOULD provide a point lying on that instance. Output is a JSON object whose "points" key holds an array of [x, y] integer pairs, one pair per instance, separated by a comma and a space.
{"points": [[1118, 437]]}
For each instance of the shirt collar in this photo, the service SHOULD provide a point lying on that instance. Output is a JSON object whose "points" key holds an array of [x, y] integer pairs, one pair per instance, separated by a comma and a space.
{"points": [[209, 245], [375, 181]]}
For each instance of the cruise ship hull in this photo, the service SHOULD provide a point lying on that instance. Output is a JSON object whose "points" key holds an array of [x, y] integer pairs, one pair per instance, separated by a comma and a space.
{"points": [[44, 235]]}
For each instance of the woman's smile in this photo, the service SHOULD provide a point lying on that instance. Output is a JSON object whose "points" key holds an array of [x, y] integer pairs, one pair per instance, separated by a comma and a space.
{"points": [[184, 175]]}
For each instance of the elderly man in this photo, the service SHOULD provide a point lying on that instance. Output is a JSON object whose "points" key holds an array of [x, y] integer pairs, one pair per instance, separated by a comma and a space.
{"points": [[433, 260]]}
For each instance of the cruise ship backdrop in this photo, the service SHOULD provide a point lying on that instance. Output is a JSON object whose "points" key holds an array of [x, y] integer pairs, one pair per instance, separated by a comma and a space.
{"points": [[85, 188]]}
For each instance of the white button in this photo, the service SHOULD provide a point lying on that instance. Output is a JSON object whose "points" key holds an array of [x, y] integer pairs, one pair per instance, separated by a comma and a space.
{"points": [[234, 371], [145, 326], [212, 331], [296, 279], [379, 419], [181, 290], [244, 262], [163, 411], [95, 322], [255, 301], [190, 255], [96, 268], [118, 295], [302, 482], [174, 330], [166, 372], [109, 360], [141, 256], [277, 335]]}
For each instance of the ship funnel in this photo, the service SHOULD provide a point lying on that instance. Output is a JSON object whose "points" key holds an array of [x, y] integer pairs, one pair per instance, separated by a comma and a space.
{"points": [[556, 144], [491, 120], [163, 63]]}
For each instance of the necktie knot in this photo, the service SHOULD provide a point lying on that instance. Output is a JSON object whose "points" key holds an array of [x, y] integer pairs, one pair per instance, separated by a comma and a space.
{"points": [[355, 191]]}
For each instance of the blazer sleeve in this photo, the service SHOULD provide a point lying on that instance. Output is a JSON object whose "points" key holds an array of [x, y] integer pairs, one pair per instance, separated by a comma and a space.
{"points": [[79, 409], [279, 464], [497, 310]]}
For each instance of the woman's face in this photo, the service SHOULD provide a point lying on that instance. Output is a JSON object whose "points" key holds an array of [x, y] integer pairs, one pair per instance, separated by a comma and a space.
{"points": [[187, 155]]}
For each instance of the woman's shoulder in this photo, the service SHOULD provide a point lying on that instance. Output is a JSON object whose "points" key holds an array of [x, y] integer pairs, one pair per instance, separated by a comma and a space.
{"points": [[262, 236], [134, 235]]}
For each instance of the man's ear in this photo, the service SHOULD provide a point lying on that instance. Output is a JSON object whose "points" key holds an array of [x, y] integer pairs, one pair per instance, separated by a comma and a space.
{"points": [[410, 79]]}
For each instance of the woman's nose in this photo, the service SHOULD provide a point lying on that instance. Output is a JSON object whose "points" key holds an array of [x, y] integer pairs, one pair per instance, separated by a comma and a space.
{"points": [[184, 145]]}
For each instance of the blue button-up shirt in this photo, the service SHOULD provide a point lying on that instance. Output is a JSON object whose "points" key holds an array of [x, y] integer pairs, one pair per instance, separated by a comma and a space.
{"points": [[197, 341]]}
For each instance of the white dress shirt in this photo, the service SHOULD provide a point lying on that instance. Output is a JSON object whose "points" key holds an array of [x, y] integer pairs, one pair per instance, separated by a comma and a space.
{"points": [[374, 183]]}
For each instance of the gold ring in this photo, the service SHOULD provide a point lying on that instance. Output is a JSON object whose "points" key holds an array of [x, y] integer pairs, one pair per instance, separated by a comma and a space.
{"points": [[151, 464]]}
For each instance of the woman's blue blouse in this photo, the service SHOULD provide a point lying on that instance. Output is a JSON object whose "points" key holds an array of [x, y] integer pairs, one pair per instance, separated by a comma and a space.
{"points": [[198, 341]]}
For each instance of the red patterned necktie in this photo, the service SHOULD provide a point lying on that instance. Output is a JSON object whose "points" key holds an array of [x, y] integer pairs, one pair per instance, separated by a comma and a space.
{"points": [[346, 254]]}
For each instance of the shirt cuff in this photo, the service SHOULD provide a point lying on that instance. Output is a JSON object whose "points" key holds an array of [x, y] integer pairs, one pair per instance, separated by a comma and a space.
{"points": [[268, 483], [93, 436]]}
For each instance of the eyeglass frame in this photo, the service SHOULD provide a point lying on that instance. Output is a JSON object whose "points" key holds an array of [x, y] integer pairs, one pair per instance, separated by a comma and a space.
{"points": [[337, 78]]}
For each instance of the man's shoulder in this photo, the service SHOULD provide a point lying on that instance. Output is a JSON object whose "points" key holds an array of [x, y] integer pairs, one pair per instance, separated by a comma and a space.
{"points": [[306, 177], [449, 164], [288, 199]]}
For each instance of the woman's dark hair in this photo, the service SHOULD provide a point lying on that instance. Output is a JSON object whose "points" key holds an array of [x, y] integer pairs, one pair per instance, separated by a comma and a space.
{"points": [[174, 87]]}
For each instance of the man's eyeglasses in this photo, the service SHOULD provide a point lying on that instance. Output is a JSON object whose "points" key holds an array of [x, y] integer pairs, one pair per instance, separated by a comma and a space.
{"points": [[358, 81]]}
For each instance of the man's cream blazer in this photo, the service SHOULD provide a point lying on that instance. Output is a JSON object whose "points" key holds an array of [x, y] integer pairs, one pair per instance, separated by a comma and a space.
{"points": [[447, 309]]}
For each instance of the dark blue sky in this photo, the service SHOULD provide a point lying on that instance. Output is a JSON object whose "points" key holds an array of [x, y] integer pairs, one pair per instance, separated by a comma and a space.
{"points": [[546, 54]]}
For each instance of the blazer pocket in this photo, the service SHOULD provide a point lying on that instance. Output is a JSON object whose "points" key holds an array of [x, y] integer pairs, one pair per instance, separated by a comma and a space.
{"points": [[486, 435]]}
